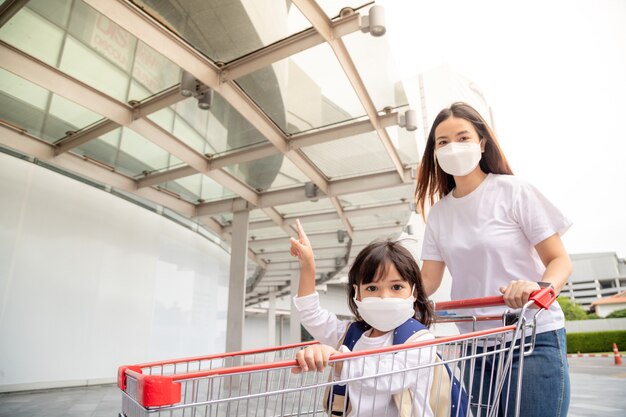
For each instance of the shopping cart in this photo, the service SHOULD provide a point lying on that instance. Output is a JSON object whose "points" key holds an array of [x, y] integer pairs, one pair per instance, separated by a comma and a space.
{"points": [[261, 382]]}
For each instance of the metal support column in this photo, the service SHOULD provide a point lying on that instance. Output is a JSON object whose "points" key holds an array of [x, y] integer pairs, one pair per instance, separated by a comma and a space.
{"points": [[294, 320], [271, 319], [237, 283]]}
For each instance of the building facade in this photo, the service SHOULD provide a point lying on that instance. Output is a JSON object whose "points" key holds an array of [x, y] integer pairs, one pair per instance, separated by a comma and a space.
{"points": [[595, 275]]}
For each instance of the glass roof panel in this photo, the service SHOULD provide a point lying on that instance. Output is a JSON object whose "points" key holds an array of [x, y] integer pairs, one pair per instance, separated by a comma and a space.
{"points": [[305, 207], [188, 188], [324, 226], [374, 61], [226, 30], [397, 218], [306, 91], [128, 152], [105, 149], [197, 188], [35, 109], [344, 157], [255, 215], [219, 130], [400, 194], [406, 144], [267, 233], [258, 214], [35, 35], [79, 41], [269, 173], [212, 191]]}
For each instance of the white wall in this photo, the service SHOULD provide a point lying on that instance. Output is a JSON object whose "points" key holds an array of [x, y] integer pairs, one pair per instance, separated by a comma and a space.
{"points": [[257, 334], [597, 325], [604, 310], [89, 281]]}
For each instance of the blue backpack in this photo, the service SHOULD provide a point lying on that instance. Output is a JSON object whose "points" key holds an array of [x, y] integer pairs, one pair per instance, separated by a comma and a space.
{"points": [[457, 396]]}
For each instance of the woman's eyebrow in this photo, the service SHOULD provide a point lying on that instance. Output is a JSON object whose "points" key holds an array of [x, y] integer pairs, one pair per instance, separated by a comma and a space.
{"points": [[463, 132]]}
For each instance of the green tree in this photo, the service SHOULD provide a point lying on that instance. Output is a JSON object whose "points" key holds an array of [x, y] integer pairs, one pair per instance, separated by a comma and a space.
{"points": [[571, 310], [617, 314]]}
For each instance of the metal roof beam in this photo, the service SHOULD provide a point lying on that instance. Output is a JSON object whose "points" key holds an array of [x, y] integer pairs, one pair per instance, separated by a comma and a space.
{"points": [[319, 251], [279, 220], [331, 215], [74, 140], [50, 78], [316, 235], [364, 183], [25, 143], [155, 103], [9, 8], [119, 113], [339, 132], [162, 40], [313, 12], [285, 48], [165, 176], [266, 149]]}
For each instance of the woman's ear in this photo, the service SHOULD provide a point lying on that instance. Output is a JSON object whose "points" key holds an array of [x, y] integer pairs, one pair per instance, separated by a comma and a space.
{"points": [[356, 292]]}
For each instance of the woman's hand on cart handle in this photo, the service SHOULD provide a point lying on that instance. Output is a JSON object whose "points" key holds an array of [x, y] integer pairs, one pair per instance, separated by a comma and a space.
{"points": [[519, 292], [313, 358]]}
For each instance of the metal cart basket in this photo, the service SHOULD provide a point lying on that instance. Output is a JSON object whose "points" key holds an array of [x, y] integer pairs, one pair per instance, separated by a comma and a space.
{"points": [[461, 375]]}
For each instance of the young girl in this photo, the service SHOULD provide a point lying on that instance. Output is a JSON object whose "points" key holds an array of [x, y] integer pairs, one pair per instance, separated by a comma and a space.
{"points": [[385, 293]]}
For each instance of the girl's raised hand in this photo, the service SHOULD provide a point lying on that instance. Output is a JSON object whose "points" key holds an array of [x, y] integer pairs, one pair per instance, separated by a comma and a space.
{"points": [[301, 248], [313, 358]]}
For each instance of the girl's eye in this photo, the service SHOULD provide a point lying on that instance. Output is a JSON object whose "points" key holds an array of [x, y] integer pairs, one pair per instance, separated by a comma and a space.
{"points": [[397, 287], [463, 139], [370, 288], [442, 142]]}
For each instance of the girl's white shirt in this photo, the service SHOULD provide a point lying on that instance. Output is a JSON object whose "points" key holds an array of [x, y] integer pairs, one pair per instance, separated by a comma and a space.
{"points": [[372, 395], [487, 239]]}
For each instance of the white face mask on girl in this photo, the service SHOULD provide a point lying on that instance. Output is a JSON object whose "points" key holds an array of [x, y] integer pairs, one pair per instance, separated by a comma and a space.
{"points": [[385, 314], [459, 159]]}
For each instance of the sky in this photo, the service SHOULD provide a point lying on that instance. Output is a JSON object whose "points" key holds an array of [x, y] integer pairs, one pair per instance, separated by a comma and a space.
{"points": [[554, 74]]}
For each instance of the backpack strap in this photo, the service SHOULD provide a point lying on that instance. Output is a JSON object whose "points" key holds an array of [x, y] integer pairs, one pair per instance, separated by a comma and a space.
{"points": [[406, 330], [335, 398], [447, 397]]}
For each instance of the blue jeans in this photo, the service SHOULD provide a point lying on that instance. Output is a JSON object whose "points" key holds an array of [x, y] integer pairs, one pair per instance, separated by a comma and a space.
{"points": [[545, 380]]}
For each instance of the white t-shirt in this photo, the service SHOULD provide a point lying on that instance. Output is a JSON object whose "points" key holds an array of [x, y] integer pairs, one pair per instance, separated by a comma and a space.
{"points": [[487, 239], [372, 395]]}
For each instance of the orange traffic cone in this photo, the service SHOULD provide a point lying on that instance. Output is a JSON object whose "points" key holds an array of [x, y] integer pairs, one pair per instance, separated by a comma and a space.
{"points": [[616, 355]]}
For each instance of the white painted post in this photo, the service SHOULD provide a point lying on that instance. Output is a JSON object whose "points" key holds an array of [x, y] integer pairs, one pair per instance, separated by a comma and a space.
{"points": [[294, 319], [237, 284], [271, 319]]}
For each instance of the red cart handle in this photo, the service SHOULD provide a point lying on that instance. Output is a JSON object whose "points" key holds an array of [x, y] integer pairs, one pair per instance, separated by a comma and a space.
{"points": [[543, 298]]}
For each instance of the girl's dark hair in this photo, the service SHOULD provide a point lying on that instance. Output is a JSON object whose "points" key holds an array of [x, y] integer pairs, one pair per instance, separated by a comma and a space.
{"points": [[373, 262], [432, 180]]}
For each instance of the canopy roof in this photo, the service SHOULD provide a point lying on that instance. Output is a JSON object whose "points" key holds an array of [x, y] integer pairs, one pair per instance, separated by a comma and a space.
{"points": [[303, 121]]}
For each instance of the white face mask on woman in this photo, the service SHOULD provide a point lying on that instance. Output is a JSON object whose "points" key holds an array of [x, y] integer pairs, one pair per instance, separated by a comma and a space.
{"points": [[459, 159], [385, 314]]}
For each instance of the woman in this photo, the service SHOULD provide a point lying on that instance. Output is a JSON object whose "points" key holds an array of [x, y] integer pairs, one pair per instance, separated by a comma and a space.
{"points": [[495, 232]]}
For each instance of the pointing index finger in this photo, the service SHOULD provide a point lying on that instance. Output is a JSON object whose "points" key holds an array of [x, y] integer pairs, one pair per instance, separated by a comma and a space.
{"points": [[302, 236]]}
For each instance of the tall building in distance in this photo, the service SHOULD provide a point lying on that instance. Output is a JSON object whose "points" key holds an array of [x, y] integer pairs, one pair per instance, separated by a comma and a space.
{"points": [[441, 86], [595, 275]]}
